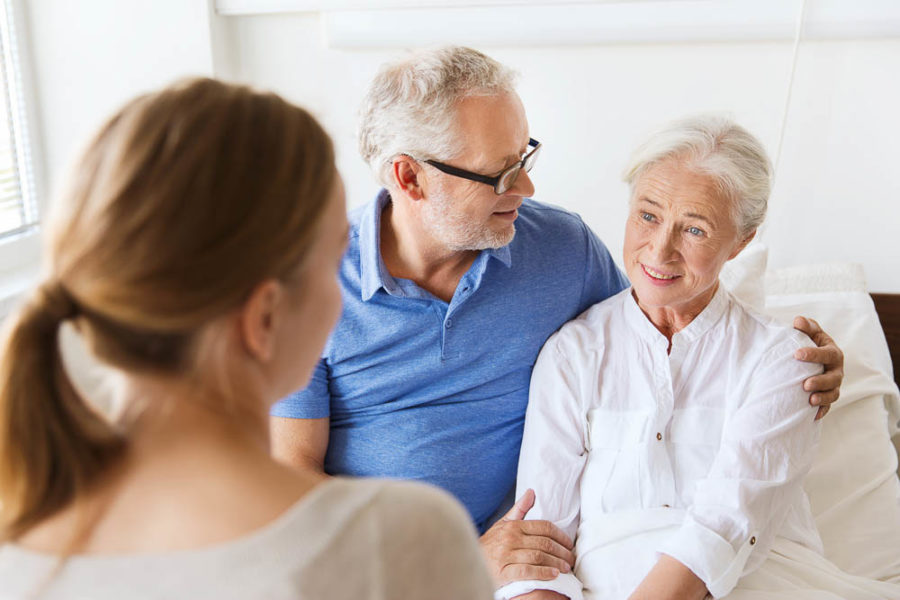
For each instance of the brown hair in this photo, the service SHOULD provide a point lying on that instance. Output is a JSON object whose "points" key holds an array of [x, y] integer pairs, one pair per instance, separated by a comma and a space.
{"points": [[184, 201]]}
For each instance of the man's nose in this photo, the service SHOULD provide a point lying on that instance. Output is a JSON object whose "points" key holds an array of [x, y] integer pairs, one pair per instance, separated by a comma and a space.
{"points": [[523, 186]]}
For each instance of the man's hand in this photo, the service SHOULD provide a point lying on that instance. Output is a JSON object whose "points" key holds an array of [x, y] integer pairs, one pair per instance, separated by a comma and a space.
{"points": [[517, 549], [826, 387]]}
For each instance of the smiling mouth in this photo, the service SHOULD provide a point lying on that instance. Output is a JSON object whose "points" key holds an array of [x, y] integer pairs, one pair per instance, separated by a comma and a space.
{"points": [[657, 274]]}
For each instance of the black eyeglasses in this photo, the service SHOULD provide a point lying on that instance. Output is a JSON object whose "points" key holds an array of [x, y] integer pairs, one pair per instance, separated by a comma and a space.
{"points": [[502, 182]]}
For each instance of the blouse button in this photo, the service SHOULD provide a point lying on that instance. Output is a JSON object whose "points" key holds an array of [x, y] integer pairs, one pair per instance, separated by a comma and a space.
{"points": [[666, 506], [659, 436], [752, 540]]}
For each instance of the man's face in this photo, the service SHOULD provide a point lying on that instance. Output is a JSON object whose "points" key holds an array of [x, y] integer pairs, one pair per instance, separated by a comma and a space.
{"points": [[468, 215]]}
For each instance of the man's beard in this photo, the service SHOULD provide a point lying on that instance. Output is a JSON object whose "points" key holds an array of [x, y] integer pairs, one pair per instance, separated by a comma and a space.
{"points": [[457, 232]]}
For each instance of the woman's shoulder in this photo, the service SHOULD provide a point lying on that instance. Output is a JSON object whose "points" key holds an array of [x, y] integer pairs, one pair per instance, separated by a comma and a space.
{"points": [[341, 524], [764, 326], [414, 539], [421, 505], [407, 509], [591, 328], [765, 337]]}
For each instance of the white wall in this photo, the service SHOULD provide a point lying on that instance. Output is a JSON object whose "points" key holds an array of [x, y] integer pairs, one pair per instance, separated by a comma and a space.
{"points": [[88, 58], [835, 199], [91, 56], [836, 196]]}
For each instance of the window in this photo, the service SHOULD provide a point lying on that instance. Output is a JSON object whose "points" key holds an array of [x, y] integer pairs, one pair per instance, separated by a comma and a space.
{"points": [[20, 248], [18, 204]]}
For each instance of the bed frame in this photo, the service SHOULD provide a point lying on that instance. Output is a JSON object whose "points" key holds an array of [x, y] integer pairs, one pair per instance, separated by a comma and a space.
{"points": [[888, 308]]}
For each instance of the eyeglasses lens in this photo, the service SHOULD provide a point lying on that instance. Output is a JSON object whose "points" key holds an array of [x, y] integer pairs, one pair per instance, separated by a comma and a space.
{"points": [[508, 179], [529, 162]]}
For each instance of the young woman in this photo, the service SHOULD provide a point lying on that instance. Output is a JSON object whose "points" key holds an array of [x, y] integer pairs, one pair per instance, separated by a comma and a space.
{"points": [[196, 252]]}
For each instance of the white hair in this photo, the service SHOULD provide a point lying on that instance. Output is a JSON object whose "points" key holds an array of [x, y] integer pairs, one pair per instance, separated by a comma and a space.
{"points": [[410, 105], [713, 145]]}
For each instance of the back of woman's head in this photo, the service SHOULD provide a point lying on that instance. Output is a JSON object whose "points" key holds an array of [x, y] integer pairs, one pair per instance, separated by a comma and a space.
{"points": [[184, 202]]}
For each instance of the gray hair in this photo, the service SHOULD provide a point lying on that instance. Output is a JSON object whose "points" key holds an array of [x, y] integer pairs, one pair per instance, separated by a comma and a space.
{"points": [[410, 105], [716, 146]]}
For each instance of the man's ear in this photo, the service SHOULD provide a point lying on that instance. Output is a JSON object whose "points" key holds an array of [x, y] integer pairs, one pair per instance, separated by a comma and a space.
{"points": [[405, 172], [747, 239], [258, 319]]}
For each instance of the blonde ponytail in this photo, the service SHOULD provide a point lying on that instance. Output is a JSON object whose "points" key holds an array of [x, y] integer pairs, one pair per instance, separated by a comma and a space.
{"points": [[185, 200], [52, 444]]}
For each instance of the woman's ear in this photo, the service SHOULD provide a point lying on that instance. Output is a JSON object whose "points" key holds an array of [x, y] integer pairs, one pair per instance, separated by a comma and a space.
{"points": [[258, 319], [747, 239]]}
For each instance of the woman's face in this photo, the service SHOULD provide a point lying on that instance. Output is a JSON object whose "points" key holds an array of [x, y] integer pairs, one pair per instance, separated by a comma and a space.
{"points": [[314, 297], [678, 235]]}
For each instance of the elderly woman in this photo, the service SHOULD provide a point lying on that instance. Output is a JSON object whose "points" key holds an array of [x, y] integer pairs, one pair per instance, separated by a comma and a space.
{"points": [[667, 426]]}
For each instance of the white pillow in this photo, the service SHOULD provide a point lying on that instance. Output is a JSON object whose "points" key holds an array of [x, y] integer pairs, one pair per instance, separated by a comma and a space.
{"points": [[853, 487], [744, 275]]}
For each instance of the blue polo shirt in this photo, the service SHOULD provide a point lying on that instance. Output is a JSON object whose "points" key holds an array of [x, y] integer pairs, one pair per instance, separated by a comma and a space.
{"points": [[417, 388]]}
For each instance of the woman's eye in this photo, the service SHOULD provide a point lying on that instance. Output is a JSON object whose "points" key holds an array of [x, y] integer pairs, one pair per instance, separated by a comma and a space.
{"points": [[695, 231]]}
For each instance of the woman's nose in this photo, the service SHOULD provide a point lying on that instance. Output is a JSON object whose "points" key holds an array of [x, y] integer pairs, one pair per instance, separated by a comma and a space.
{"points": [[664, 244]]}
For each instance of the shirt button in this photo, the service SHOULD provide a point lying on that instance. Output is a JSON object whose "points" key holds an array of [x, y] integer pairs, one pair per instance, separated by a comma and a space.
{"points": [[449, 323], [753, 540], [659, 436]]}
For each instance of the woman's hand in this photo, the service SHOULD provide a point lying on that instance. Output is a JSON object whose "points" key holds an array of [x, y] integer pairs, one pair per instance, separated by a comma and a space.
{"points": [[825, 388]]}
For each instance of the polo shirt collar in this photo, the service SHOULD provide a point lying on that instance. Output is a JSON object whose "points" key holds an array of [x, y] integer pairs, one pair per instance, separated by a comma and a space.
{"points": [[502, 254], [373, 273]]}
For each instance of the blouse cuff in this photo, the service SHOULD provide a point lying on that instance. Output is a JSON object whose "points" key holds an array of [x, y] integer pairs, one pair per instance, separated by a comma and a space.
{"points": [[565, 583], [709, 556]]}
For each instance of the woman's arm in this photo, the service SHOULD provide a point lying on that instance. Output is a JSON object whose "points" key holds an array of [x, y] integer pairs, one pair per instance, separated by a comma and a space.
{"points": [[552, 456], [670, 580], [767, 447]]}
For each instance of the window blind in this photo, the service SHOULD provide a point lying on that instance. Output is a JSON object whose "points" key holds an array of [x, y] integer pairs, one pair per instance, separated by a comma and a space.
{"points": [[18, 207]]}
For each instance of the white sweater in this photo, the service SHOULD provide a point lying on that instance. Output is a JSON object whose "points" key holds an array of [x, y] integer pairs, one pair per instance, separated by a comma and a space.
{"points": [[359, 539]]}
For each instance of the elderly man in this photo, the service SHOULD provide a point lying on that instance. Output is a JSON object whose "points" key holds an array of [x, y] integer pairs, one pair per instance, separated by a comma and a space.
{"points": [[452, 282]]}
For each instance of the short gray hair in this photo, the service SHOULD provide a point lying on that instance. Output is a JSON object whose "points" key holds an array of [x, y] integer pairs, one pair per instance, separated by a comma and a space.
{"points": [[410, 105], [713, 145]]}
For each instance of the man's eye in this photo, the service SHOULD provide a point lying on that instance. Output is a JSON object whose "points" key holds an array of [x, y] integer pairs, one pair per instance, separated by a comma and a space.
{"points": [[646, 216]]}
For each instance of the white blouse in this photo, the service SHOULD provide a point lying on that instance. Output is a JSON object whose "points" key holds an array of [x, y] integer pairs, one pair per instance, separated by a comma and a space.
{"points": [[698, 453]]}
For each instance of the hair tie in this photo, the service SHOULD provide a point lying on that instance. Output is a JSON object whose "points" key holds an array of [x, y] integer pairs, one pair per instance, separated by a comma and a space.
{"points": [[56, 301]]}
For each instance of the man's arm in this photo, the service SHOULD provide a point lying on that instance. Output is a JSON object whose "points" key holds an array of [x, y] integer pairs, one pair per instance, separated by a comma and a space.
{"points": [[300, 443], [825, 388]]}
